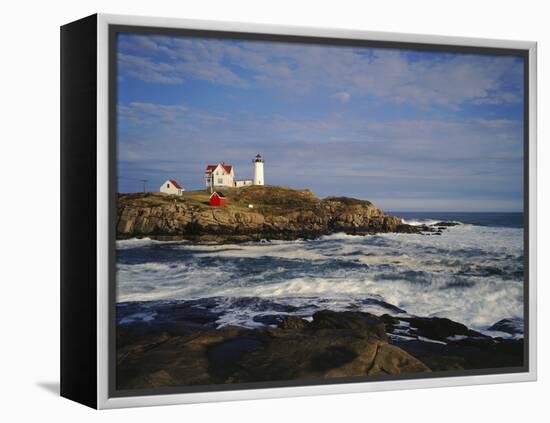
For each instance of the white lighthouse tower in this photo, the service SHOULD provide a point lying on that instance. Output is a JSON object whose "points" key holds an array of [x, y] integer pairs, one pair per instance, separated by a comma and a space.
{"points": [[258, 170]]}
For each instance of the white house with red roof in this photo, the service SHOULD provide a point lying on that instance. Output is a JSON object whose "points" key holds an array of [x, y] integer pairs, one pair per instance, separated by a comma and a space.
{"points": [[223, 175], [171, 187], [219, 175]]}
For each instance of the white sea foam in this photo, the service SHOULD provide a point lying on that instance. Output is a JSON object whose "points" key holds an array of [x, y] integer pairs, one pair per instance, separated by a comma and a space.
{"points": [[420, 222], [470, 274], [141, 242], [133, 243], [144, 317], [433, 341]]}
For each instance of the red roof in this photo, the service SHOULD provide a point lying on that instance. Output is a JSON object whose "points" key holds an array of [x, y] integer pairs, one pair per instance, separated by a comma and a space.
{"points": [[178, 186], [211, 168]]}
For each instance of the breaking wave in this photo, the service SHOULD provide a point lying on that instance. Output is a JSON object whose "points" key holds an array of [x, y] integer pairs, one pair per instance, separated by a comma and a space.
{"points": [[471, 274]]}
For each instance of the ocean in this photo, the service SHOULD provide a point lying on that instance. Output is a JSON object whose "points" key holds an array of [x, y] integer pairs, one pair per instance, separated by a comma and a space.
{"points": [[494, 219], [472, 273]]}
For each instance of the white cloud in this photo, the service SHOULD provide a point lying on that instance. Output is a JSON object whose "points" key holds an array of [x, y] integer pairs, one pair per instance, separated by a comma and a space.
{"points": [[148, 70], [149, 114], [342, 96], [431, 79], [180, 58], [355, 146]]}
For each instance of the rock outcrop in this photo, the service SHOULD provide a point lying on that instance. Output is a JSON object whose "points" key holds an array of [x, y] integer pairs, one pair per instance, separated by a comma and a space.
{"points": [[511, 326], [443, 344], [252, 214], [163, 344], [332, 345]]}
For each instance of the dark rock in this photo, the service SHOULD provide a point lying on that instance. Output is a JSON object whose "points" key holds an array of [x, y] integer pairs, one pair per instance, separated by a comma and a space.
{"points": [[511, 326], [339, 346], [269, 319], [425, 228], [191, 314], [332, 357], [383, 304], [390, 322], [407, 229], [223, 357], [261, 304], [362, 323], [438, 328], [166, 352], [446, 224], [167, 313], [293, 322], [458, 347], [324, 353], [469, 353]]}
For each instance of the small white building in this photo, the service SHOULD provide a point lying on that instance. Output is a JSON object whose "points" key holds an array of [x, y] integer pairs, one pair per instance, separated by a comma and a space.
{"points": [[171, 187], [243, 182]]}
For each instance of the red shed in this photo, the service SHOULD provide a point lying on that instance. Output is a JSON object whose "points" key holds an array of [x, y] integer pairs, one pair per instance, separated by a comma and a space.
{"points": [[217, 199]]}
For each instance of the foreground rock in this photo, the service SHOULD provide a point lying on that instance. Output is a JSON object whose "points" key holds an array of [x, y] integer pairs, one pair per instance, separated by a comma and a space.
{"points": [[443, 344], [276, 213], [510, 326], [163, 343], [332, 345]]}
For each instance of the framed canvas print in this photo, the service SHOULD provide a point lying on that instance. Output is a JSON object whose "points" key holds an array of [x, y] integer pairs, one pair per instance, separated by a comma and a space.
{"points": [[254, 211]]}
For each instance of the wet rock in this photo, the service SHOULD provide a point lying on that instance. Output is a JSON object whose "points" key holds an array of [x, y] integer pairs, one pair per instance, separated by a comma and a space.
{"points": [[333, 345], [383, 304], [512, 326], [465, 354], [446, 224], [260, 304], [293, 322], [438, 328], [407, 229], [364, 324], [173, 350], [269, 319], [224, 358]]}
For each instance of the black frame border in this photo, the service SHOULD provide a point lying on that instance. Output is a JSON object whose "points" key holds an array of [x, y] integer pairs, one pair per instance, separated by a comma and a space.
{"points": [[78, 211], [114, 29]]}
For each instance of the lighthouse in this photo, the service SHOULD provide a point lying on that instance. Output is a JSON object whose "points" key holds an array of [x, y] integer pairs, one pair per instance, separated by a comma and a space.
{"points": [[258, 170]]}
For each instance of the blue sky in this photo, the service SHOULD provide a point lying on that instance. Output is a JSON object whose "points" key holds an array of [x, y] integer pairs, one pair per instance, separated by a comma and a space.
{"points": [[407, 130]]}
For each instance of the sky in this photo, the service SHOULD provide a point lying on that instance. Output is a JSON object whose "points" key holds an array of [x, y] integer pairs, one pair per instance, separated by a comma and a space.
{"points": [[407, 130]]}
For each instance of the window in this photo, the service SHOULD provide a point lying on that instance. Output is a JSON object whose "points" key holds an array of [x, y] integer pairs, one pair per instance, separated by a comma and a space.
{"points": [[220, 180], [167, 185]]}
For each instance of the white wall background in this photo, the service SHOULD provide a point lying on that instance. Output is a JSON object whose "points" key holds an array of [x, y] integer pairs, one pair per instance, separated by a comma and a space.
{"points": [[29, 208]]}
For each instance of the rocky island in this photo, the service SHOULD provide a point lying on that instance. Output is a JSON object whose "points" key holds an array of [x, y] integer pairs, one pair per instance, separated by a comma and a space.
{"points": [[252, 214]]}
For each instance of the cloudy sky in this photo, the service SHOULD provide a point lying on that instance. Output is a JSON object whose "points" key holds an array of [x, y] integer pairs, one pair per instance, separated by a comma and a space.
{"points": [[408, 130]]}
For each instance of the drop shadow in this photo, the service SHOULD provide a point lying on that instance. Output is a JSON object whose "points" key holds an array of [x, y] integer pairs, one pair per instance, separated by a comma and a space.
{"points": [[51, 387]]}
